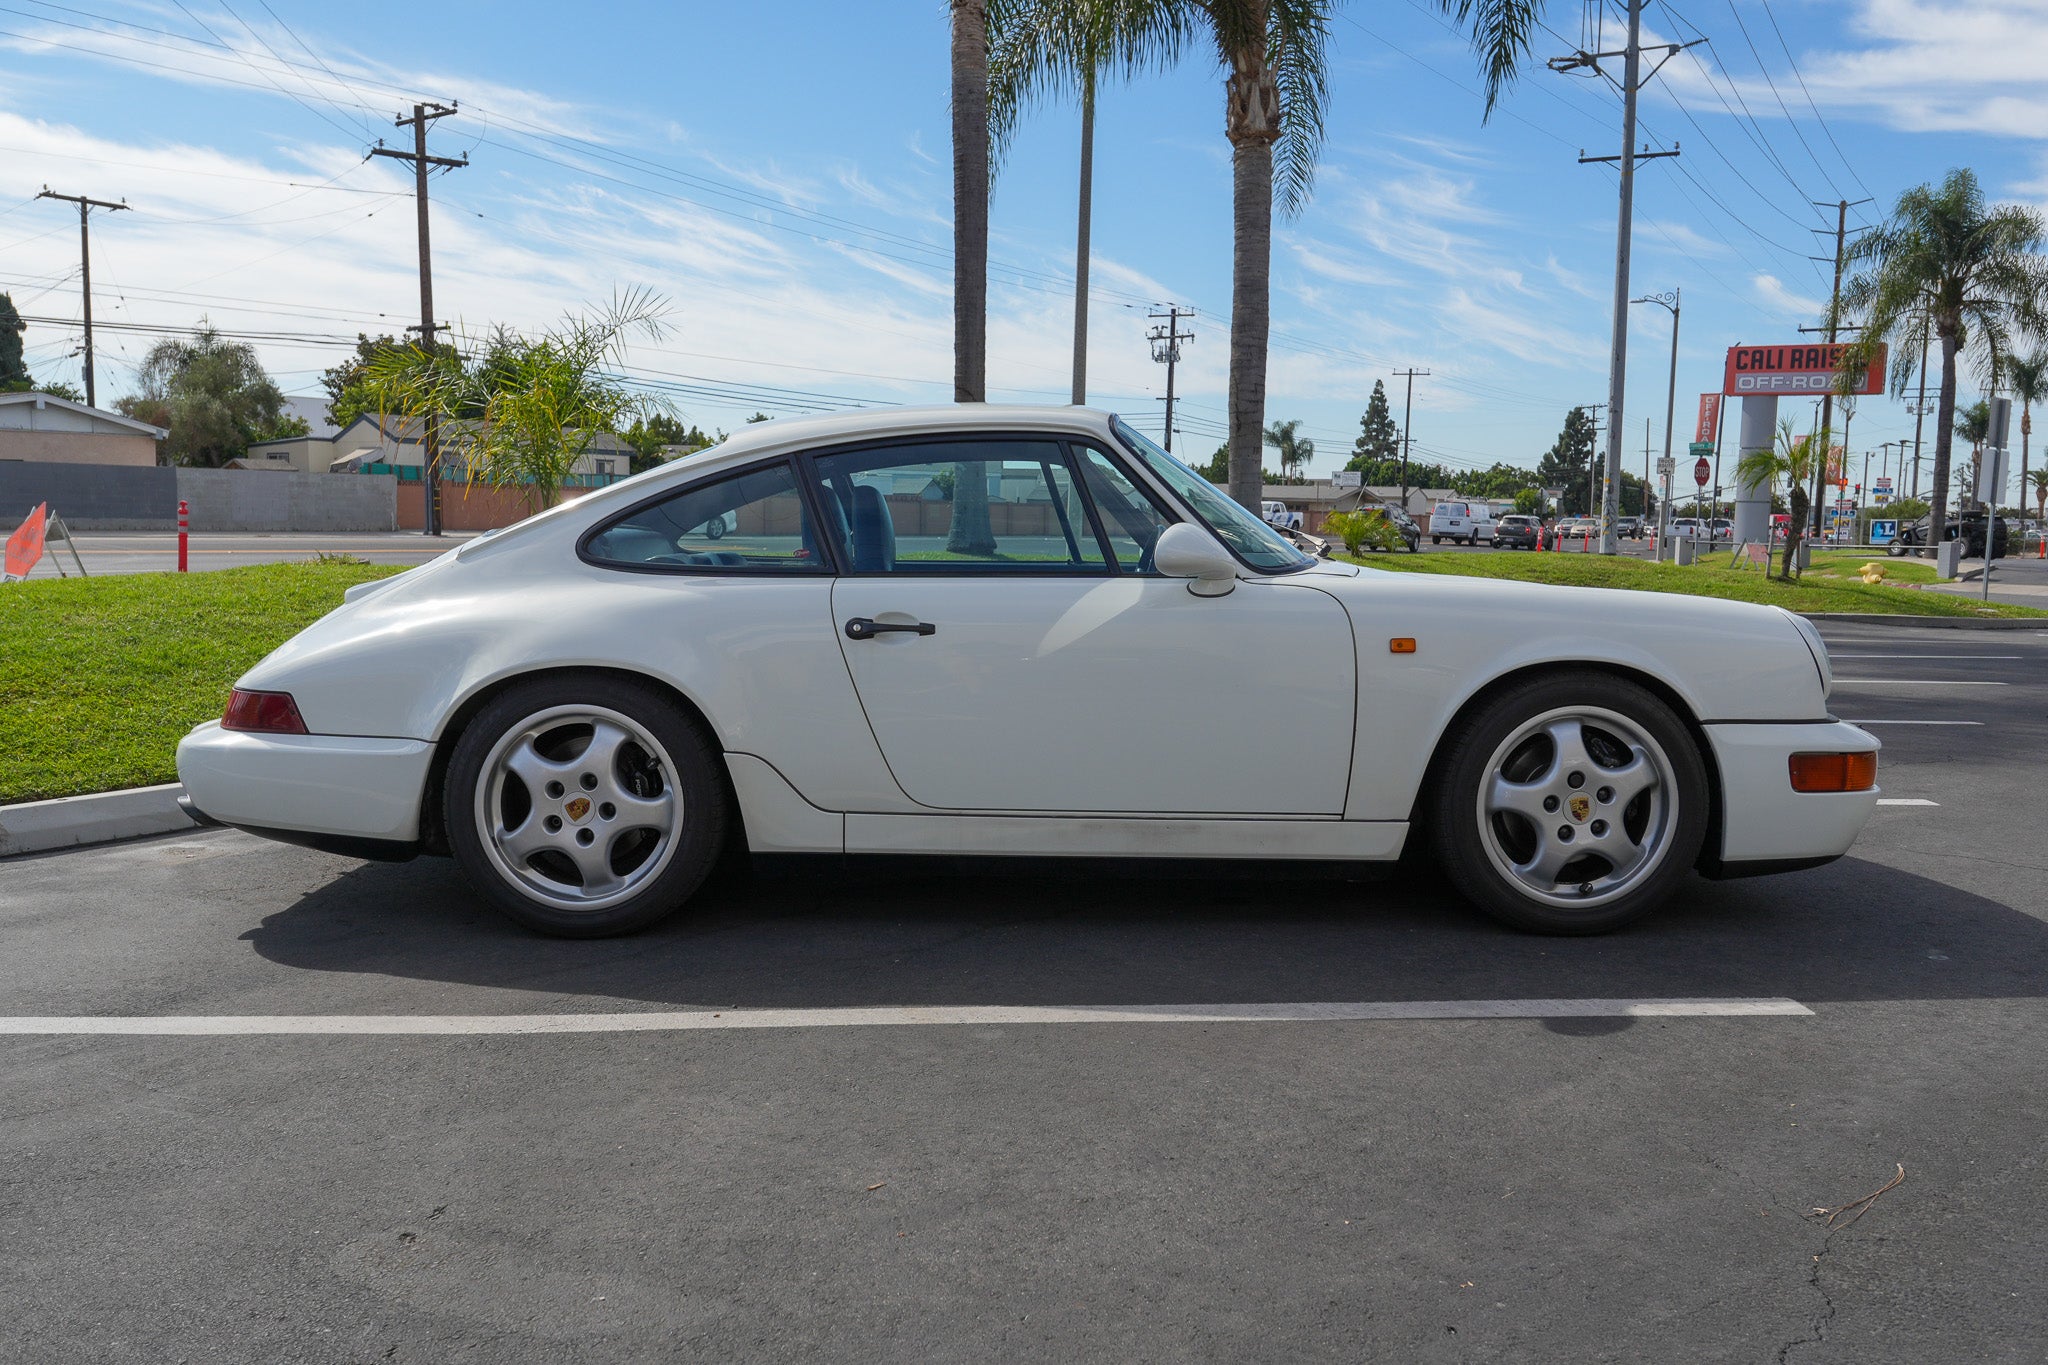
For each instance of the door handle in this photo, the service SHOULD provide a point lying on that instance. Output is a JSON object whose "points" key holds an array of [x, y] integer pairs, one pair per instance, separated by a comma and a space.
{"points": [[867, 628]]}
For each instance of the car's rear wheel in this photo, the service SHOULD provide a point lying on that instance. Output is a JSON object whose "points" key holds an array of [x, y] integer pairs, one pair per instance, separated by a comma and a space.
{"points": [[1570, 804], [585, 806]]}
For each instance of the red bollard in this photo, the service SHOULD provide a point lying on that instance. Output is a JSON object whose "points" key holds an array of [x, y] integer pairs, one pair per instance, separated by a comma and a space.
{"points": [[181, 534]]}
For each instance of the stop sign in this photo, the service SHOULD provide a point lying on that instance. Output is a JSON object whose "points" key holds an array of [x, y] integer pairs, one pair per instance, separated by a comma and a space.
{"points": [[1700, 470]]}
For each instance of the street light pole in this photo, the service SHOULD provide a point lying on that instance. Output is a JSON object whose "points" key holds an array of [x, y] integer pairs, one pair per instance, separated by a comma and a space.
{"points": [[1669, 301]]}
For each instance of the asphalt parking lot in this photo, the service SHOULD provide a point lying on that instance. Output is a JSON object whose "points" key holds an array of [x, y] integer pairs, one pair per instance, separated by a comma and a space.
{"points": [[1087, 1185], [117, 552]]}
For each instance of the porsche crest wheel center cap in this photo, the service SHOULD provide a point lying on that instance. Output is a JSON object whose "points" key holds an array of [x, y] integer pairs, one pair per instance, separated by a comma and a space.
{"points": [[1579, 806], [580, 807]]}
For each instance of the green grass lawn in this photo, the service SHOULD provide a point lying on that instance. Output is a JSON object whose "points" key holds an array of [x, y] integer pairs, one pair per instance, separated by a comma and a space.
{"points": [[100, 677], [1831, 585]]}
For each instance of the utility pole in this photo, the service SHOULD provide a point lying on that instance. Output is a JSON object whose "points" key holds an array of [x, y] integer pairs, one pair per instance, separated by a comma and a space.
{"points": [[1407, 433], [1670, 301], [1593, 461], [422, 115], [1166, 342], [1827, 402], [1632, 82], [85, 208], [1920, 410]]}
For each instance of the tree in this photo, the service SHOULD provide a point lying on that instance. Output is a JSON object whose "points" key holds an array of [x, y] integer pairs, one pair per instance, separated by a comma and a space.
{"points": [[14, 375], [212, 395], [541, 398], [1973, 424], [2040, 480], [1054, 48], [1974, 271], [1790, 459], [1378, 437], [1529, 502], [2028, 377], [347, 396], [1295, 450], [650, 435], [1568, 464]]}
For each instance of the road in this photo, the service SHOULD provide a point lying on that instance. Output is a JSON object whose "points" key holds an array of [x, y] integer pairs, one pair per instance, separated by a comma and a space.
{"points": [[1425, 1189], [157, 551]]}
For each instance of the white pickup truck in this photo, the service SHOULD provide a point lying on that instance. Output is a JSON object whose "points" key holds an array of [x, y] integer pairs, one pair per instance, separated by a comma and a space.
{"points": [[1276, 514]]}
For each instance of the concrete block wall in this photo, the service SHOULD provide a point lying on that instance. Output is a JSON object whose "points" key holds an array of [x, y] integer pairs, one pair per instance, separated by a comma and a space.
{"points": [[271, 500], [91, 497]]}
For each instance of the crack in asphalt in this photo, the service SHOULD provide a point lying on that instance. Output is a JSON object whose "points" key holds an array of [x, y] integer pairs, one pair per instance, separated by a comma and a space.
{"points": [[1827, 1313]]}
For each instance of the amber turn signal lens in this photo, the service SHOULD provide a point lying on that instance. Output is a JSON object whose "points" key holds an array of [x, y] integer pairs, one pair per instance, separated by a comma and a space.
{"points": [[1834, 772], [1401, 644]]}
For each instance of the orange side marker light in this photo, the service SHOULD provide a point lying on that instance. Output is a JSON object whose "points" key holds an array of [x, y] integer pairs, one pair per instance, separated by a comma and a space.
{"points": [[1401, 644], [1833, 772]]}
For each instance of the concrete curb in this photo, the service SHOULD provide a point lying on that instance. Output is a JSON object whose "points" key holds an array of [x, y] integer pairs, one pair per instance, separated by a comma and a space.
{"points": [[68, 821], [1852, 618]]}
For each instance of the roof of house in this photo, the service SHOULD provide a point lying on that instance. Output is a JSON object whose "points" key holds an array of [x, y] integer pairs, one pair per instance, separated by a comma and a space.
{"points": [[32, 404]]}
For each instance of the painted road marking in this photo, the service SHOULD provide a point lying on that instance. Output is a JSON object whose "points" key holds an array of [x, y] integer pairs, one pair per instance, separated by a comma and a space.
{"points": [[1905, 801], [200, 1025], [1916, 682], [1915, 722]]}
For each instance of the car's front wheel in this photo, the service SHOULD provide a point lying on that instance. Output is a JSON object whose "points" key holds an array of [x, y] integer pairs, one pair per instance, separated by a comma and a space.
{"points": [[583, 806], [1569, 804]]}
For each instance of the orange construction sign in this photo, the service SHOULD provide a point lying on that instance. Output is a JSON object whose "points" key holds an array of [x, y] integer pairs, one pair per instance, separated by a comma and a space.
{"points": [[25, 546]]}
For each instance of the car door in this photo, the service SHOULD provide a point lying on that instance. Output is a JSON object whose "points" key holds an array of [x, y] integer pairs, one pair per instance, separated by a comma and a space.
{"points": [[1013, 650]]}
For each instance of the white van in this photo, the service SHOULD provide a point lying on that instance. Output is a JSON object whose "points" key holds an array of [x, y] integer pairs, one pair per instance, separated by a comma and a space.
{"points": [[1470, 522]]}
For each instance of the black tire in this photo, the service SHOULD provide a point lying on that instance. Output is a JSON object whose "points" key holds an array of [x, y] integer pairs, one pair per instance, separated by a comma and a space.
{"points": [[659, 864], [714, 529], [1895, 550], [1436, 540], [1478, 851]]}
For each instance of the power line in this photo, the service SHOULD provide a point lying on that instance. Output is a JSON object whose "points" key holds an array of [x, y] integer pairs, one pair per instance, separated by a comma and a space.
{"points": [[1792, 122], [1793, 62]]}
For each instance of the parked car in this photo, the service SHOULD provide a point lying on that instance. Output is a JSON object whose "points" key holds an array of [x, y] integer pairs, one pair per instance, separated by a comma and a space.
{"points": [[1518, 532], [1469, 522], [1913, 536], [1688, 528], [1575, 528], [1629, 527], [588, 709], [1723, 529], [1276, 514], [1411, 534]]}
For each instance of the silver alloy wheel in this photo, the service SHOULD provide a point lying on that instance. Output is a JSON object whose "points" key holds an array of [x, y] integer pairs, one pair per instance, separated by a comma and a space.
{"points": [[578, 807], [1577, 806]]}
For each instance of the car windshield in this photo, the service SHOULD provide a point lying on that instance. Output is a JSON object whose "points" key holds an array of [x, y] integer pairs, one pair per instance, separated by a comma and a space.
{"points": [[1256, 543]]}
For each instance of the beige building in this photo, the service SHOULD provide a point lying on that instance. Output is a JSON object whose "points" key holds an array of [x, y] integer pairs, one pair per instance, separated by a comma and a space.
{"points": [[45, 429], [394, 445]]}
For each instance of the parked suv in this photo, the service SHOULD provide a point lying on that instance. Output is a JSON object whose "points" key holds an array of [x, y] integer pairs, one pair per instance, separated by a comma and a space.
{"points": [[1517, 532], [1470, 522], [1912, 536]]}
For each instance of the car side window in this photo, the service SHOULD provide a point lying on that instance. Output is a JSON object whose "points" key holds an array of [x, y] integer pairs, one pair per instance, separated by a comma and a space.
{"points": [[1131, 518], [977, 506], [750, 522]]}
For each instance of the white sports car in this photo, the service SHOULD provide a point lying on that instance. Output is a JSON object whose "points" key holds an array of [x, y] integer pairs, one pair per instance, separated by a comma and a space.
{"points": [[1017, 631]]}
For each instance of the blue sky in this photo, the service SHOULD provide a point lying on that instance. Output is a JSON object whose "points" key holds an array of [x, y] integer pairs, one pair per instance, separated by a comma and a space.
{"points": [[779, 174]]}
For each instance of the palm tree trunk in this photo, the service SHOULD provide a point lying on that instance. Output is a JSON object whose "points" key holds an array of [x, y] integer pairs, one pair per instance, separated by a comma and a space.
{"points": [[1253, 125], [1081, 238], [2026, 432], [1944, 440], [970, 201]]}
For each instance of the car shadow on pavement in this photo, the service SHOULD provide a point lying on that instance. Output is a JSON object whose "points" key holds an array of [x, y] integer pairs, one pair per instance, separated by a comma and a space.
{"points": [[851, 935]]}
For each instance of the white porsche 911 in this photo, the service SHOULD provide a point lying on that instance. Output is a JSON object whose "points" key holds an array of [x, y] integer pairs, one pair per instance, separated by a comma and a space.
{"points": [[1017, 631]]}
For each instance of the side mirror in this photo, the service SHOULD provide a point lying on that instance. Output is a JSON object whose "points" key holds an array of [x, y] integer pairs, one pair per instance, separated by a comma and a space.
{"points": [[1184, 550]]}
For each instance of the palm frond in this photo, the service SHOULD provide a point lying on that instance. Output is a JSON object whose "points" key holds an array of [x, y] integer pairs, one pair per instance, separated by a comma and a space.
{"points": [[1297, 43], [1500, 32]]}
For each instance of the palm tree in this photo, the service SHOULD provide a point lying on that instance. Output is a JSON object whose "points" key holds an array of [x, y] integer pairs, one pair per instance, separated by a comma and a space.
{"points": [[1041, 48], [1791, 459], [2040, 478], [1973, 424], [1295, 450], [970, 533], [1978, 271], [2027, 377]]}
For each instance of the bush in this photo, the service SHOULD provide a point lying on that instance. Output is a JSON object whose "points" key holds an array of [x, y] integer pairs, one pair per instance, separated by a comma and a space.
{"points": [[1363, 530]]}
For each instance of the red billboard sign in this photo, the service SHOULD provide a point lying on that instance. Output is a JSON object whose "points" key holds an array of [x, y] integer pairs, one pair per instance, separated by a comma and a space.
{"points": [[1710, 418], [1813, 369]]}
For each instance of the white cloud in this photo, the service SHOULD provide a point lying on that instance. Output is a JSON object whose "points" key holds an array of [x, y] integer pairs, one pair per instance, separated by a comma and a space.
{"points": [[1771, 291]]}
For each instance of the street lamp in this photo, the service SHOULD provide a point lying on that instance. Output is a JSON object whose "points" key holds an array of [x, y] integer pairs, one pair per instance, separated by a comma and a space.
{"points": [[1668, 301]]}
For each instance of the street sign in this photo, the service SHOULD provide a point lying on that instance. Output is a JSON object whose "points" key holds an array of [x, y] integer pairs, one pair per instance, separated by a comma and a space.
{"points": [[1802, 369], [1702, 471]]}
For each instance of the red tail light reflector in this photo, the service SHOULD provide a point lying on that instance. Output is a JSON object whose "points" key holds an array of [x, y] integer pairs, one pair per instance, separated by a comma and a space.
{"points": [[1834, 772], [271, 712]]}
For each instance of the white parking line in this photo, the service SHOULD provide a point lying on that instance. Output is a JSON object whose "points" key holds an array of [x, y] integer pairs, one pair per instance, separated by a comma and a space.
{"points": [[200, 1025], [1916, 722], [1905, 801], [1916, 682]]}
